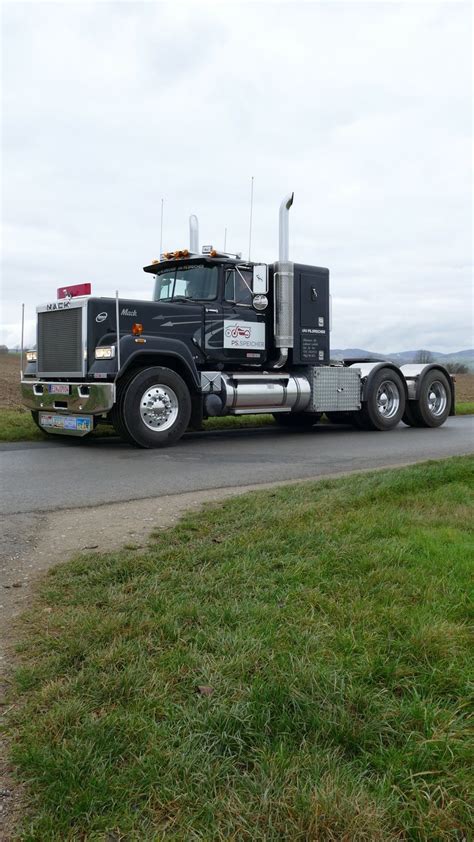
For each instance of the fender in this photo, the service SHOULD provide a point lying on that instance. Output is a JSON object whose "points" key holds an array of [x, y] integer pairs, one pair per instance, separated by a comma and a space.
{"points": [[369, 369], [157, 346], [414, 374]]}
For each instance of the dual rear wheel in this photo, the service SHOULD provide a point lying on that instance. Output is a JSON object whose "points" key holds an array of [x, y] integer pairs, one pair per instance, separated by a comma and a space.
{"points": [[386, 404], [433, 405]]}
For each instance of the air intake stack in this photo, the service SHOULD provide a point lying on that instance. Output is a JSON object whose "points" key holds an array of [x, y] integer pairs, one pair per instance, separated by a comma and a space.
{"points": [[193, 234]]}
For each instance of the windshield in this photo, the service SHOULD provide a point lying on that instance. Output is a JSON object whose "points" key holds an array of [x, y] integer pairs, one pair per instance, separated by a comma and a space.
{"points": [[198, 283]]}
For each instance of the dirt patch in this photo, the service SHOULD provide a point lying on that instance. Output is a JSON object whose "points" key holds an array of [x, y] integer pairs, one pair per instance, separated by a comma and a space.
{"points": [[464, 388], [10, 381]]}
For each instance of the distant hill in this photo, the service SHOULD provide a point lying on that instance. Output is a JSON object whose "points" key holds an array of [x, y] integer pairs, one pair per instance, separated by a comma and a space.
{"points": [[402, 357]]}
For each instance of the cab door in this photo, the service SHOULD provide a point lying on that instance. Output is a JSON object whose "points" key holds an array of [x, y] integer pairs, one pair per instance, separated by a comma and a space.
{"points": [[244, 329]]}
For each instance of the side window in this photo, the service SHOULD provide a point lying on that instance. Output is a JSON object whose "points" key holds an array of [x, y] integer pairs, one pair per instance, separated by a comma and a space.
{"points": [[238, 286]]}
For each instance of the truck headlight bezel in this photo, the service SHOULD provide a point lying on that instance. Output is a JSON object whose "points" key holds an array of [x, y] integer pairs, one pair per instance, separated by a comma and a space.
{"points": [[105, 352], [31, 356]]}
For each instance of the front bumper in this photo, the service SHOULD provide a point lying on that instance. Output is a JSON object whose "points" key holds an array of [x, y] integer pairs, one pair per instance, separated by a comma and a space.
{"points": [[90, 398]]}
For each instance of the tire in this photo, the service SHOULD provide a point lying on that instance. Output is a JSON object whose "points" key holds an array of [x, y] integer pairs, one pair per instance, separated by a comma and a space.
{"points": [[385, 402], [116, 415], [433, 405], [155, 407], [297, 420]]}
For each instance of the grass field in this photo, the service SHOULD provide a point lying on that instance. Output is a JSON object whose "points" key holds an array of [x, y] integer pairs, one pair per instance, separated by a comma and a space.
{"points": [[16, 423], [292, 664]]}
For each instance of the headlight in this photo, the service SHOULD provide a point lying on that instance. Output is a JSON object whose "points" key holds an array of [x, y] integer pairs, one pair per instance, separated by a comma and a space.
{"points": [[31, 356], [105, 352]]}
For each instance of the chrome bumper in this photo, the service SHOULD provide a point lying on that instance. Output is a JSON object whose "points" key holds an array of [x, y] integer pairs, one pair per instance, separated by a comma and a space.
{"points": [[91, 398]]}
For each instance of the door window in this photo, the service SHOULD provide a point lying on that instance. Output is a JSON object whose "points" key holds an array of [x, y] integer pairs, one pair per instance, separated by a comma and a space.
{"points": [[238, 286]]}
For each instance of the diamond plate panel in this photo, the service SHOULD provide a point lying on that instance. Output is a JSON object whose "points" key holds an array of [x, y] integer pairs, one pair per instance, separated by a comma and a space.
{"points": [[334, 389]]}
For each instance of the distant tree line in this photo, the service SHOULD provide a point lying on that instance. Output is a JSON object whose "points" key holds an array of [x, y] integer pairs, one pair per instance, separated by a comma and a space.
{"points": [[453, 368]]}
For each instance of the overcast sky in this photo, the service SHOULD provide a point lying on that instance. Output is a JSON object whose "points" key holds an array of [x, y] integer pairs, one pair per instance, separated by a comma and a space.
{"points": [[362, 108]]}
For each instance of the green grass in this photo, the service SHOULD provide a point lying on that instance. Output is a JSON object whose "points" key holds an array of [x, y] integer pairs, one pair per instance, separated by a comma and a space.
{"points": [[238, 421], [17, 425], [465, 408], [330, 621]]}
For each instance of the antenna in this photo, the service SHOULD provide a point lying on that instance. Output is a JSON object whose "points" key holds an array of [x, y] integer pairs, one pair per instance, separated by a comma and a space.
{"points": [[161, 228], [225, 238], [251, 210]]}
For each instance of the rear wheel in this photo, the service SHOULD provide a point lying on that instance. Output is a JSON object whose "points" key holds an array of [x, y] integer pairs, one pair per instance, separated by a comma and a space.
{"points": [[297, 420], [155, 407], [385, 402], [434, 402]]}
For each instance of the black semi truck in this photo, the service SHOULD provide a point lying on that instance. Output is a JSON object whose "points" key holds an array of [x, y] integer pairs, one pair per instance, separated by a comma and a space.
{"points": [[221, 336]]}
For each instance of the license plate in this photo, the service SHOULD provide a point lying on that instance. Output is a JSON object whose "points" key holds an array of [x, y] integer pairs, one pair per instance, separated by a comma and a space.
{"points": [[73, 423], [58, 389]]}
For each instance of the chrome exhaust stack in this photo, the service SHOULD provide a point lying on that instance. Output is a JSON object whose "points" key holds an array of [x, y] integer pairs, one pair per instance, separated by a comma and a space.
{"points": [[193, 234], [284, 281]]}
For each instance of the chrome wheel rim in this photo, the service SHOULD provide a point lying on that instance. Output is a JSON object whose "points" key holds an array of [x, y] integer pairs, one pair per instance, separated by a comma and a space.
{"points": [[159, 407], [437, 399], [388, 399]]}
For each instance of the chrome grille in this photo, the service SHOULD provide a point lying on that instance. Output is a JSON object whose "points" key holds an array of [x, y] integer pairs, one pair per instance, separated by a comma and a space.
{"points": [[60, 342]]}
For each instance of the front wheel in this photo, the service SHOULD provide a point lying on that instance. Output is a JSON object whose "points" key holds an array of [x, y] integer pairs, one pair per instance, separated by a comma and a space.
{"points": [[155, 407]]}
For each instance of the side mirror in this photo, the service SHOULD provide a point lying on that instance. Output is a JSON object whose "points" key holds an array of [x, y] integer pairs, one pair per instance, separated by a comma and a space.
{"points": [[260, 279]]}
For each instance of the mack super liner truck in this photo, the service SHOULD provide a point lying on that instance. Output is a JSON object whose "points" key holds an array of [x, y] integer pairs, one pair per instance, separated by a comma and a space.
{"points": [[221, 336]]}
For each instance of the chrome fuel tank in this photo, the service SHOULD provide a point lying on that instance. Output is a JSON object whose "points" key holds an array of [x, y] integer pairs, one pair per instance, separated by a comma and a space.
{"points": [[246, 393]]}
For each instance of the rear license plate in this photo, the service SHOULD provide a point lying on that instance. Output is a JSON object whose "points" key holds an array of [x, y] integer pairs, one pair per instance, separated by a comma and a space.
{"points": [[58, 389], [74, 423]]}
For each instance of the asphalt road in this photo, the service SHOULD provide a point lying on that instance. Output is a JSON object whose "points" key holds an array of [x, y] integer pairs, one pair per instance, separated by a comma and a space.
{"points": [[63, 474]]}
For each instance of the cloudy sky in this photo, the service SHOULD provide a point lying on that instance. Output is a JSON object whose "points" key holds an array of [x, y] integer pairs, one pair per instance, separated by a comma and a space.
{"points": [[362, 108]]}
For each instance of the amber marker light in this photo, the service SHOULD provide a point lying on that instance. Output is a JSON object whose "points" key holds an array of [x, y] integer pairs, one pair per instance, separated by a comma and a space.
{"points": [[137, 329]]}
